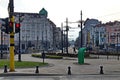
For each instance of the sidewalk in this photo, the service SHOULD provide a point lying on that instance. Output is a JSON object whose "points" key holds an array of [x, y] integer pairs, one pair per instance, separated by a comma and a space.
{"points": [[60, 66]]}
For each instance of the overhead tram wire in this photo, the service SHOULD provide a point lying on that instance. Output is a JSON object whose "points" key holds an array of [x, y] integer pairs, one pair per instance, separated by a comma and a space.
{"points": [[109, 15]]}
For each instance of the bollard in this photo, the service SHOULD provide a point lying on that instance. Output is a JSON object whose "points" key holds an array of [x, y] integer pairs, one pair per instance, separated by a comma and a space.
{"points": [[5, 69], [69, 70], [37, 70], [101, 70]]}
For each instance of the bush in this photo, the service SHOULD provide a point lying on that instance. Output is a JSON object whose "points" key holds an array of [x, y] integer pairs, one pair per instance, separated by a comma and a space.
{"points": [[68, 55], [48, 56], [54, 57], [60, 55]]}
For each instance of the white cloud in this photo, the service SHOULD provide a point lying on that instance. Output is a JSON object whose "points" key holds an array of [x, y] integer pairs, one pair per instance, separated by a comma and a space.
{"points": [[4, 12]]}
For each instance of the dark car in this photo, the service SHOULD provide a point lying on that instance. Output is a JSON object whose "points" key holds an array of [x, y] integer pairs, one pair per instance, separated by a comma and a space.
{"points": [[21, 51]]}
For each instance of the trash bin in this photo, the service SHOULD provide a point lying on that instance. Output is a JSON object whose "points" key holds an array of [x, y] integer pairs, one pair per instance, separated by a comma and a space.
{"points": [[81, 53]]}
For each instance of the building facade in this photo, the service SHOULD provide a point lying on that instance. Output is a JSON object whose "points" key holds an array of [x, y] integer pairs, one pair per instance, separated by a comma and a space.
{"points": [[37, 31], [113, 33], [97, 34], [89, 32]]}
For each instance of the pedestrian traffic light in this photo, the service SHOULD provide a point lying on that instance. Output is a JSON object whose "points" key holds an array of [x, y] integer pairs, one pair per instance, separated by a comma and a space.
{"points": [[17, 27], [11, 27], [5, 25]]}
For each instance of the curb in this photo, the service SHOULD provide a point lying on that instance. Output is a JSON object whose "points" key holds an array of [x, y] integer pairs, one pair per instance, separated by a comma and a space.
{"points": [[27, 74], [37, 74]]}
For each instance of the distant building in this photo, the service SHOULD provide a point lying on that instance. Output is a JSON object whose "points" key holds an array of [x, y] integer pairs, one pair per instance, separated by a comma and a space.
{"points": [[96, 34], [113, 33], [89, 37], [37, 31], [100, 39]]}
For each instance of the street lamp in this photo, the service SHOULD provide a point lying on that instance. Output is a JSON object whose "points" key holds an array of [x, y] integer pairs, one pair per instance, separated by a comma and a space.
{"points": [[117, 44], [1, 43], [67, 29], [81, 25], [62, 36]]}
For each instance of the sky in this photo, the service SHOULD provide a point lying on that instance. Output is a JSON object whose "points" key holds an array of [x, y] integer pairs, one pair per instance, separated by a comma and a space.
{"points": [[59, 10]]}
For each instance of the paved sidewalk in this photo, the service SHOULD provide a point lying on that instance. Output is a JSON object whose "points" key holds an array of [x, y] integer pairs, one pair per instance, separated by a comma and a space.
{"points": [[60, 66], [72, 77]]}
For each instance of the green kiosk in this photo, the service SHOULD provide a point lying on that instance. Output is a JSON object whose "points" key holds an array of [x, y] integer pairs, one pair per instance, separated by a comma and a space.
{"points": [[81, 53]]}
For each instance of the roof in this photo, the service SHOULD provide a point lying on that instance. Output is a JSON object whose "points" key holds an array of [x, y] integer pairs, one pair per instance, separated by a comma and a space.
{"points": [[43, 12]]}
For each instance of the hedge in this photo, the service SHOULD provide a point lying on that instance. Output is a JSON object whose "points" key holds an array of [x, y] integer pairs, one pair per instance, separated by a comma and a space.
{"points": [[48, 56]]}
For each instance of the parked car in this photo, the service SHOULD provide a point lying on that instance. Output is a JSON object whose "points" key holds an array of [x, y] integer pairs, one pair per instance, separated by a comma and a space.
{"points": [[21, 51]]}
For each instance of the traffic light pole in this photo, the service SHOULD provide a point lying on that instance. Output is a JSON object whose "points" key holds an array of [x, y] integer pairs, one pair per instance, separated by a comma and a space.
{"points": [[67, 29], [12, 68], [19, 55], [12, 48]]}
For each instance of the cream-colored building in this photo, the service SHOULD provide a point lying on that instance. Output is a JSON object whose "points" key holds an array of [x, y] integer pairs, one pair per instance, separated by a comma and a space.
{"points": [[37, 31]]}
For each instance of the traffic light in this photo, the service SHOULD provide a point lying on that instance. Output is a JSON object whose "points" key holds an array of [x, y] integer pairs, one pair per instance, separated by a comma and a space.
{"points": [[5, 25], [11, 27], [17, 27]]}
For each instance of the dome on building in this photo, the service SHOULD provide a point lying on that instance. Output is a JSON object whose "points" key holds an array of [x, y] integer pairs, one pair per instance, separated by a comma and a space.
{"points": [[43, 12]]}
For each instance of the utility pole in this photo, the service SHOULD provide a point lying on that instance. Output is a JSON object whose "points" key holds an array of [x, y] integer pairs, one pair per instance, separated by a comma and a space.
{"points": [[62, 36], [64, 40], [12, 48], [117, 46], [67, 29], [80, 25], [81, 29]]}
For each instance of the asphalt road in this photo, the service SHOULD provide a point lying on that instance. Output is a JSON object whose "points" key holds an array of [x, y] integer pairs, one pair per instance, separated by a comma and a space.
{"points": [[77, 77]]}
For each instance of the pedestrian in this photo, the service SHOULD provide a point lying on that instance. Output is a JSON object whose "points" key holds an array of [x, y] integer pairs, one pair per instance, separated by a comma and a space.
{"points": [[74, 49]]}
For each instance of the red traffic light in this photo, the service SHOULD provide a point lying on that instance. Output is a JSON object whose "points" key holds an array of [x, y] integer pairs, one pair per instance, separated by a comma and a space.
{"points": [[17, 25], [10, 24]]}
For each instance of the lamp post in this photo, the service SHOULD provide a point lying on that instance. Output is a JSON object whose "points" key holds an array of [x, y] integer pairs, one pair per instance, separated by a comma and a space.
{"points": [[117, 45], [81, 29], [62, 36], [19, 55], [64, 40], [80, 25], [1, 43], [67, 29]]}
